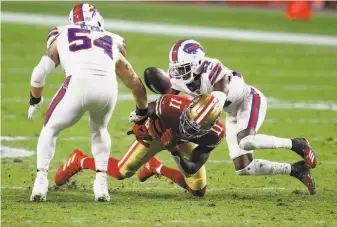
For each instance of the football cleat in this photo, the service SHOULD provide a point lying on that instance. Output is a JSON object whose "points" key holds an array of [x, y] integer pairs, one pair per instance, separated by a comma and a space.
{"points": [[101, 190], [149, 169], [301, 171], [71, 167], [40, 188], [302, 147]]}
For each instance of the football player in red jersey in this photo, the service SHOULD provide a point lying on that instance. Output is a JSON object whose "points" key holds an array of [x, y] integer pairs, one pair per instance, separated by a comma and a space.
{"points": [[193, 124]]}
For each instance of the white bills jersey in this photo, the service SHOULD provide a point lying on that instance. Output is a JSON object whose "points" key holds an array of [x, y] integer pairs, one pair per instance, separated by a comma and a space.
{"points": [[213, 71], [86, 49]]}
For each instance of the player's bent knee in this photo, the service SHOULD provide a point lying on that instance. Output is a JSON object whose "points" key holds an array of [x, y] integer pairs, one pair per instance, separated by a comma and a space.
{"points": [[126, 172], [248, 143], [199, 193]]}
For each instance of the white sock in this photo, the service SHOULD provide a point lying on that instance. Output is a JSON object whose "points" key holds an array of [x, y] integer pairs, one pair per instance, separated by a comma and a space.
{"points": [[45, 148], [42, 174], [100, 146], [264, 167], [101, 177], [261, 141]]}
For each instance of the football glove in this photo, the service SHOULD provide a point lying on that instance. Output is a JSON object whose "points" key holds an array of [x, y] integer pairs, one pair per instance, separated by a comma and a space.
{"points": [[138, 115], [141, 133], [34, 105]]}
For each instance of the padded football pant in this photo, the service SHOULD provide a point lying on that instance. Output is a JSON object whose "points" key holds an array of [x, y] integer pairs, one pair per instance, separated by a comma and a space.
{"points": [[95, 94], [138, 154]]}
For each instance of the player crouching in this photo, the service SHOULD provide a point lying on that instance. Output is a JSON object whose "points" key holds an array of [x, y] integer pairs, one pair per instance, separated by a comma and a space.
{"points": [[194, 127]]}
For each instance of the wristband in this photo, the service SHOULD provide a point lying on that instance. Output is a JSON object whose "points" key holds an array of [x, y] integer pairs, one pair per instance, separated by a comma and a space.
{"points": [[141, 112]]}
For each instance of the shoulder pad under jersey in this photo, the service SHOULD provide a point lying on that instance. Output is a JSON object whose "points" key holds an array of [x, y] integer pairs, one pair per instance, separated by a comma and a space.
{"points": [[52, 34], [215, 70]]}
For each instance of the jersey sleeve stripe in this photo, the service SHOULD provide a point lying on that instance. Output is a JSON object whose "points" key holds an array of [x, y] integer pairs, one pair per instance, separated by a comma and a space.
{"points": [[158, 105], [211, 74], [254, 112], [52, 33], [216, 75]]}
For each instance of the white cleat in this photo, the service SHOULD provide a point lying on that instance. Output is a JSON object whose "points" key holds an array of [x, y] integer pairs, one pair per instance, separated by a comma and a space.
{"points": [[101, 190], [40, 189]]}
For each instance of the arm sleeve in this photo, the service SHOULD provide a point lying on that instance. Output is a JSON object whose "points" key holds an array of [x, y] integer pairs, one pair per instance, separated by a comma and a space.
{"points": [[45, 66]]}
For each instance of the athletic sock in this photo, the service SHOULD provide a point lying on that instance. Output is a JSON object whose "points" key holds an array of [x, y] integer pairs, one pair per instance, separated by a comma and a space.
{"points": [[113, 169], [89, 163], [264, 167], [261, 141], [174, 175]]}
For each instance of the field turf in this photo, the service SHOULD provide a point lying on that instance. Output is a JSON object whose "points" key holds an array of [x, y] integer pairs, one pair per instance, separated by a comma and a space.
{"points": [[287, 74]]}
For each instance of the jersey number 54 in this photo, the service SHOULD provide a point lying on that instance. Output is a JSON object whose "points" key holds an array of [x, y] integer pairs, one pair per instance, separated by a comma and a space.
{"points": [[78, 34]]}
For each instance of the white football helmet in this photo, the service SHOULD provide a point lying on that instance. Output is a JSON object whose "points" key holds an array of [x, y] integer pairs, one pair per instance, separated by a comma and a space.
{"points": [[87, 14], [186, 59]]}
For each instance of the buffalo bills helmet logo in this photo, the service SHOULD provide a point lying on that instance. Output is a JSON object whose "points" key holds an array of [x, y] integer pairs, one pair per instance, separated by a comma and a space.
{"points": [[192, 48]]}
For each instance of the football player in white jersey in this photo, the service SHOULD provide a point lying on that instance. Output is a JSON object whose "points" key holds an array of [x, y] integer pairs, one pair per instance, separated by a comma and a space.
{"points": [[91, 58], [193, 73]]}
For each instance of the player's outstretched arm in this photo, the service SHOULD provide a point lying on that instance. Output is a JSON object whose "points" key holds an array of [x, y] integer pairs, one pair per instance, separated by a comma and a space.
{"points": [[128, 76], [46, 65], [198, 158]]}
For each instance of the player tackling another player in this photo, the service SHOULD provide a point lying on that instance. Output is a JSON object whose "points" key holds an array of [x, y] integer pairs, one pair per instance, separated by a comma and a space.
{"points": [[91, 58], [168, 118], [193, 73]]}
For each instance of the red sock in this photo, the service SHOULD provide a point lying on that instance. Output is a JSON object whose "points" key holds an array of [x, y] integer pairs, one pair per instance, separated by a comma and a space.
{"points": [[89, 163], [174, 175], [113, 169]]}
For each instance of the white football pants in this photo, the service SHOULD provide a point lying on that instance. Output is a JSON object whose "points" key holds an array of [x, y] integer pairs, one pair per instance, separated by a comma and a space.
{"points": [[95, 94]]}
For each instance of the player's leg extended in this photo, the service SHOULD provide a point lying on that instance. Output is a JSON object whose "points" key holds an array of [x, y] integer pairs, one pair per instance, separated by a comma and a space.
{"points": [[155, 167], [245, 164], [249, 140], [101, 101], [136, 156], [64, 111], [196, 184]]}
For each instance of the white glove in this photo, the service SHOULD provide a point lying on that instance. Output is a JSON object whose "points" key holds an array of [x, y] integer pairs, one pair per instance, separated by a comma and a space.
{"points": [[34, 108], [134, 118]]}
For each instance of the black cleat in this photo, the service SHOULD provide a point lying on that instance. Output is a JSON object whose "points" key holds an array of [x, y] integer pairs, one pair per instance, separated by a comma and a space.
{"points": [[301, 171], [302, 147]]}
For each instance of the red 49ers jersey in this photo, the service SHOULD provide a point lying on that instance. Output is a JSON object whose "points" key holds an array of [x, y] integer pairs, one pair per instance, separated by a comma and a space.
{"points": [[168, 111]]}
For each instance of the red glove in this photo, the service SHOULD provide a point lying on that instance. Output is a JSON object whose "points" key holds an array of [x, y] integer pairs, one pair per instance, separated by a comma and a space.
{"points": [[141, 134], [168, 140]]}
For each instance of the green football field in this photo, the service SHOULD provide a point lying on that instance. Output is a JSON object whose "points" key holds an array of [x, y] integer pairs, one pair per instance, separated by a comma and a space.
{"points": [[300, 82]]}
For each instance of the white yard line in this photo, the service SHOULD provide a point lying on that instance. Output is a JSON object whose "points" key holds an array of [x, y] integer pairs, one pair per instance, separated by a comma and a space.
{"points": [[179, 30], [13, 152], [273, 103]]}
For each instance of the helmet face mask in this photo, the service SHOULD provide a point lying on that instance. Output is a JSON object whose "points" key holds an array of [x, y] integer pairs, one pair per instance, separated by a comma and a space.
{"points": [[198, 118], [186, 58], [189, 129], [183, 72]]}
